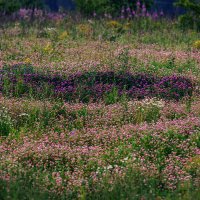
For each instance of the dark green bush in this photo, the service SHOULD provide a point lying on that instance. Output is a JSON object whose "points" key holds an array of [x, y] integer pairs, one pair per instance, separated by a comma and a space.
{"points": [[32, 3], [7, 7], [11, 6], [192, 17]]}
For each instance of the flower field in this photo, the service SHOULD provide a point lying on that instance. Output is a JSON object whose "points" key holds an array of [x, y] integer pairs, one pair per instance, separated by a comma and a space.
{"points": [[99, 109]]}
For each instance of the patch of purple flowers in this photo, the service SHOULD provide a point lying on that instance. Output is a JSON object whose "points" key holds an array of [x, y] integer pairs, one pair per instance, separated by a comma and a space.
{"points": [[140, 11], [96, 84]]}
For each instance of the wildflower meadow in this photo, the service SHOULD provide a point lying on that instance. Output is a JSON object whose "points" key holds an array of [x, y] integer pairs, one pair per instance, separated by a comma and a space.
{"points": [[99, 106]]}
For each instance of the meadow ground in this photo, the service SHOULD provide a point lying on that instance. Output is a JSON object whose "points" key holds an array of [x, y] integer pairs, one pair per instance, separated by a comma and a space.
{"points": [[99, 109]]}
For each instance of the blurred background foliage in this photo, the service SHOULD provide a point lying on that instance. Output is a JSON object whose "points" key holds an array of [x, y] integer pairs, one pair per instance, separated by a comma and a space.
{"points": [[192, 16], [113, 8]]}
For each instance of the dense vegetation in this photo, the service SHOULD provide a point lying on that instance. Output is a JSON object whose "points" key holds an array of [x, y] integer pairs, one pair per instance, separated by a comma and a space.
{"points": [[192, 16]]}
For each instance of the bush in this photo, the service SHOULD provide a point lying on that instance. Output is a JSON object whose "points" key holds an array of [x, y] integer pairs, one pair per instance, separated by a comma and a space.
{"points": [[192, 17], [7, 7]]}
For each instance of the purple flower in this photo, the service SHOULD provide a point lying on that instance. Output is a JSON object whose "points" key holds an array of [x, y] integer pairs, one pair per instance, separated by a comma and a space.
{"points": [[148, 14], [138, 3], [161, 13], [143, 9], [72, 133], [128, 9], [155, 15]]}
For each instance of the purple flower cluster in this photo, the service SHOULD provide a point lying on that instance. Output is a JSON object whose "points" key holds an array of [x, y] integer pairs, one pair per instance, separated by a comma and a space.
{"points": [[140, 10], [96, 84]]}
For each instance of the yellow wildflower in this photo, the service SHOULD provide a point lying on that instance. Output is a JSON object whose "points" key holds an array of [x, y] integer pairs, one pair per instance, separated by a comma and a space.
{"points": [[84, 29], [48, 48], [197, 44], [64, 35], [27, 60], [113, 24], [127, 26]]}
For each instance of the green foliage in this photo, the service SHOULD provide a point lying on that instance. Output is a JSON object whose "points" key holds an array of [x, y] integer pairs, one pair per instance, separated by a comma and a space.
{"points": [[148, 111], [90, 6], [21, 189], [111, 97], [192, 17], [124, 58], [130, 188], [6, 123], [8, 7], [101, 7], [32, 4], [133, 186], [192, 5]]}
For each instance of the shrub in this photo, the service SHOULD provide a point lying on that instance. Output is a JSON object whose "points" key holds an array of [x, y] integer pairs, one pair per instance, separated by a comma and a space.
{"points": [[192, 17]]}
